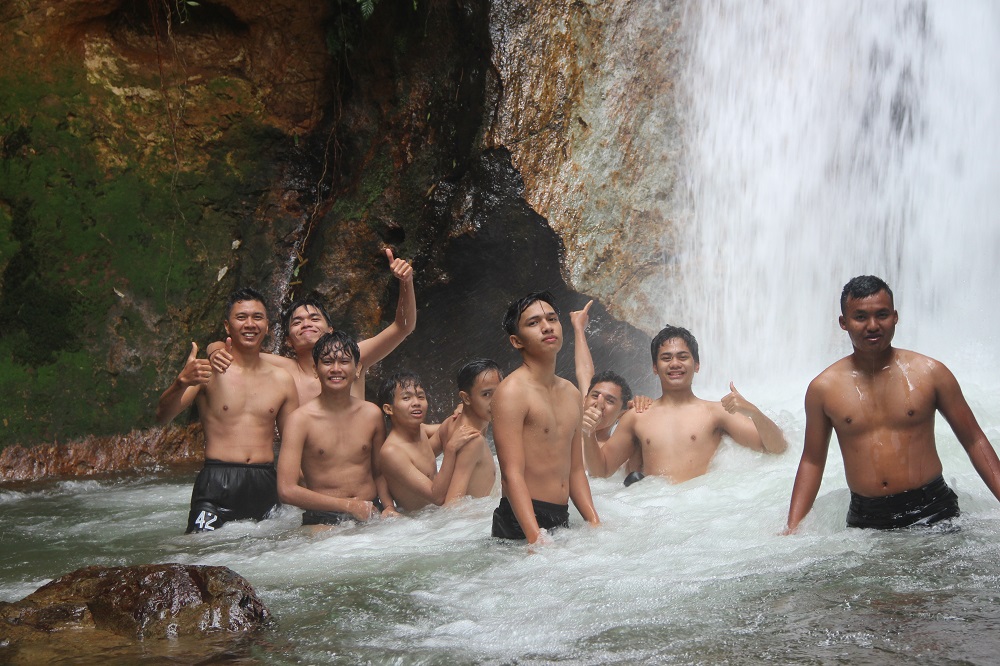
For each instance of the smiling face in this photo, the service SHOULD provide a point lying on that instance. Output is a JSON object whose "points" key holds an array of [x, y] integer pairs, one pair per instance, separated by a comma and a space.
{"points": [[870, 322], [247, 325], [538, 329], [675, 364], [305, 326], [337, 369], [606, 396]]}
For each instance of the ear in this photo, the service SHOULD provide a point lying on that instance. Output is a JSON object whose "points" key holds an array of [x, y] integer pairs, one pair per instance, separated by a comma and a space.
{"points": [[697, 367], [895, 317], [387, 409], [466, 399], [516, 342], [842, 320], [225, 323]]}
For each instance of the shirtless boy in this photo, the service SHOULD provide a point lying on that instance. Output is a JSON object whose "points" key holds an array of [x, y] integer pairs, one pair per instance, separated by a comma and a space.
{"points": [[407, 459], [238, 411], [881, 401], [334, 440], [536, 429], [306, 320], [606, 395], [475, 471], [680, 433]]}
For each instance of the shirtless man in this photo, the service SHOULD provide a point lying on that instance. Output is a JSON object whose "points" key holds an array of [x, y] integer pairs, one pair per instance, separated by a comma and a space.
{"points": [[306, 320], [475, 471], [407, 458], [606, 395], [536, 429], [334, 440], [881, 402], [238, 411], [680, 433]]}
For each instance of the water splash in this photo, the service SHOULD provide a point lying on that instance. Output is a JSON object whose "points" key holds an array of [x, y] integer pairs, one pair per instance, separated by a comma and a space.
{"points": [[831, 139]]}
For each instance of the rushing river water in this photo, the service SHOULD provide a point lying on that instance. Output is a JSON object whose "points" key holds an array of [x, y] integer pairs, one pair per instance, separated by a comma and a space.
{"points": [[827, 139]]}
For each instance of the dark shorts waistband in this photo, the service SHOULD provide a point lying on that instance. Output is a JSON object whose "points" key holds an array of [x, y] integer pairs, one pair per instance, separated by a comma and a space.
{"points": [[549, 516], [212, 462], [929, 504]]}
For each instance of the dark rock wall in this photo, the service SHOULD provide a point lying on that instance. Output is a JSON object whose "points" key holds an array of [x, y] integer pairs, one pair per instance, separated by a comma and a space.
{"points": [[156, 154]]}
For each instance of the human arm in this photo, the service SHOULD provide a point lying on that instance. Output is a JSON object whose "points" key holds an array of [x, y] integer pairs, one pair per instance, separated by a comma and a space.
{"points": [[809, 476], [397, 466], [640, 403], [581, 350], [381, 484], [377, 347], [510, 408], [291, 396], [953, 406], [181, 393], [579, 486], [603, 461], [765, 435], [220, 355]]}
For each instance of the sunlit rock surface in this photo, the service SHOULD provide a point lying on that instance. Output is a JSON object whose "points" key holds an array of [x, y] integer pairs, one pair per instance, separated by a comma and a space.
{"points": [[99, 612], [586, 107]]}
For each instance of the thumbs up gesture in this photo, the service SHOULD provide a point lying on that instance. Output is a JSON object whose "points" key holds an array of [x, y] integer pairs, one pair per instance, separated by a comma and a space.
{"points": [[196, 370]]}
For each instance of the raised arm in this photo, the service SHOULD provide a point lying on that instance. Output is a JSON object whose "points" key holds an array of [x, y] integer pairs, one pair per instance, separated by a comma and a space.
{"points": [[760, 433], [581, 350], [810, 473], [181, 393], [377, 347], [510, 408], [603, 461], [953, 406]]}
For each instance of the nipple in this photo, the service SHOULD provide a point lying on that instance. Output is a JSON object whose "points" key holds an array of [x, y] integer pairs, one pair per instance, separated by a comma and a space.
{"points": [[910, 413], [225, 408], [271, 410], [849, 420]]}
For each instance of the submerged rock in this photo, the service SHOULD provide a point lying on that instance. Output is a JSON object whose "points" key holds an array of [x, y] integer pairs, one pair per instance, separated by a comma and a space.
{"points": [[97, 609]]}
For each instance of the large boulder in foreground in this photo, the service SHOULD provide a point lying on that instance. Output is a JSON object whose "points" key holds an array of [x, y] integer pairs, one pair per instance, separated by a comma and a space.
{"points": [[106, 610]]}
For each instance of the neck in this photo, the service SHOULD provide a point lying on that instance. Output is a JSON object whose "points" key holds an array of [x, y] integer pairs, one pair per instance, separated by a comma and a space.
{"points": [[334, 399], [676, 396], [541, 368], [468, 418], [408, 432], [872, 362], [246, 358], [304, 359]]}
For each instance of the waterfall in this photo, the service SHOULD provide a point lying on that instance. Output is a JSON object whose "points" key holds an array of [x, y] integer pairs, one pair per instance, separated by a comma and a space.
{"points": [[830, 139]]}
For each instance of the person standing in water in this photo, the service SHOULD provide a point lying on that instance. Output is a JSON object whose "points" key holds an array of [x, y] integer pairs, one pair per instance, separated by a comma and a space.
{"points": [[239, 411], [305, 320], [680, 433], [475, 472], [537, 428], [332, 442], [881, 402], [606, 395]]}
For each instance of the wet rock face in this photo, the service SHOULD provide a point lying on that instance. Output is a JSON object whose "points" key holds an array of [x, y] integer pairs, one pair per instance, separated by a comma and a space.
{"points": [[586, 105], [100, 607]]}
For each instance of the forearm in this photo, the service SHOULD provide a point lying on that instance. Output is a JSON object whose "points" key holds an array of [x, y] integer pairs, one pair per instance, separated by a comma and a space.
{"points": [[304, 498], [583, 360], [771, 437], [442, 480], [804, 491], [516, 492], [382, 486], [579, 492], [984, 460], [406, 308], [595, 458], [171, 403]]}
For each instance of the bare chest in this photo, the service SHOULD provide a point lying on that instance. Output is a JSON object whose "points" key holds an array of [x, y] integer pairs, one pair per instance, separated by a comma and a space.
{"points": [[892, 403]]}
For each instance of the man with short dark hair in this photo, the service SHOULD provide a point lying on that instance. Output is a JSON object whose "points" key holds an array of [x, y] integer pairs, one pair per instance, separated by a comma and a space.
{"points": [[536, 428], [680, 433], [239, 411], [881, 401]]}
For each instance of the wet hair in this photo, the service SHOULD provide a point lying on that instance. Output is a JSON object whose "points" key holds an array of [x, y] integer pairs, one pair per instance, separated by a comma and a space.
{"points": [[286, 316], [403, 379], [669, 333], [244, 294], [477, 366], [862, 286], [614, 378], [517, 308], [330, 343]]}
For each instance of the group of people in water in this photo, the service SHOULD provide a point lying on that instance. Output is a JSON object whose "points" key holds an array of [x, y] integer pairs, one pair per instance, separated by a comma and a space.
{"points": [[345, 459]]}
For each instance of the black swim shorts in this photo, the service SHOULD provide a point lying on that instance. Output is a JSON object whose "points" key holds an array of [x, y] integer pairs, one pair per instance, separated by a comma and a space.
{"points": [[548, 515], [313, 517], [927, 505], [227, 491]]}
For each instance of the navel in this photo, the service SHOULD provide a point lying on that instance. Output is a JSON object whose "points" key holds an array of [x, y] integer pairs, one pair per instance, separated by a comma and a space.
{"points": [[848, 420], [910, 413]]}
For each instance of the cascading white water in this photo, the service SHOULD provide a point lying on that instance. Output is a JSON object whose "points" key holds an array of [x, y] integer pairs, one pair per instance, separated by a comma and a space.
{"points": [[831, 139], [826, 139]]}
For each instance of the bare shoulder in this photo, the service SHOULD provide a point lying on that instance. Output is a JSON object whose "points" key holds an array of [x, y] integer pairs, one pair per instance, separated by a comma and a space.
{"points": [[832, 377], [279, 361]]}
